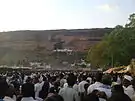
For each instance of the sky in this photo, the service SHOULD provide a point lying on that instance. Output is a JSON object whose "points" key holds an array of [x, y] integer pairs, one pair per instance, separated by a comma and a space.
{"points": [[63, 14]]}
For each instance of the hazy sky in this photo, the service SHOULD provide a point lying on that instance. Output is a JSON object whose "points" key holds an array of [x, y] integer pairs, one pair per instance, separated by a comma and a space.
{"points": [[63, 14]]}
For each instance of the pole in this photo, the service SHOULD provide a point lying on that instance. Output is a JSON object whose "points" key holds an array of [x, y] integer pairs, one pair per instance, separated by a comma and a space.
{"points": [[112, 61]]}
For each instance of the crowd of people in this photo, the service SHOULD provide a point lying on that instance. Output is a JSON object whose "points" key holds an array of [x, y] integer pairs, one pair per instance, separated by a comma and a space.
{"points": [[66, 86]]}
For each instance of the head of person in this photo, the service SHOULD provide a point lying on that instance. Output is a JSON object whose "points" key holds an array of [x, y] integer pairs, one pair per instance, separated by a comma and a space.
{"points": [[56, 84], [117, 89], [106, 79], [61, 76], [28, 90], [84, 77], [71, 80], [3, 87], [29, 80], [114, 78], [55, 98], [127, 80], [36, 80], [91, 97], [98, 77], [52, 79], [10, 91]]}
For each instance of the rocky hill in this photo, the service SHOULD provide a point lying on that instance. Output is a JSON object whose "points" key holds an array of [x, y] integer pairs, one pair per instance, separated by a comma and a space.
{"points": [[17, 44]]}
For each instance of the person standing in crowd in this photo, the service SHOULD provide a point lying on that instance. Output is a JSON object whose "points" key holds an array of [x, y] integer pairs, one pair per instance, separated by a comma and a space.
{"points": [[133, 83], [68, 93], [82, 83], [45, 88], [10, 93], [106, 87], [96, 84], [3, 88], [127, 85], [81, 88], [62, 80], [118, 94], [86, 87], [16, 82], [37, 86], [75, 87], [28, 93]]}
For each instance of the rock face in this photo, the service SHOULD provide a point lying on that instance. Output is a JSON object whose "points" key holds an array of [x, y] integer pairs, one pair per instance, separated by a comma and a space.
{"points": [[28, 40], [21, 43]]}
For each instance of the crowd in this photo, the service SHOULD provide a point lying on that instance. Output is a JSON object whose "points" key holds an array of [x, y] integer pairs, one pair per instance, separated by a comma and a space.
{"points": [[66, 86]]}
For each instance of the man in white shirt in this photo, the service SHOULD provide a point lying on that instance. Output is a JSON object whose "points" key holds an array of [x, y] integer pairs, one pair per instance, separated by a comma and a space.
{"points": [[62, 80], [75, 86], [106, 86], [81, 88], [127, 86], [97, 84], [81, 84], [68, 93], [37, 86]]}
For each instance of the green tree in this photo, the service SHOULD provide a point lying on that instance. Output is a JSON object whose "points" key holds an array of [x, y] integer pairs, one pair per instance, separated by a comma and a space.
{"points": [[131, 23], [97, 54], [117, 48]]}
